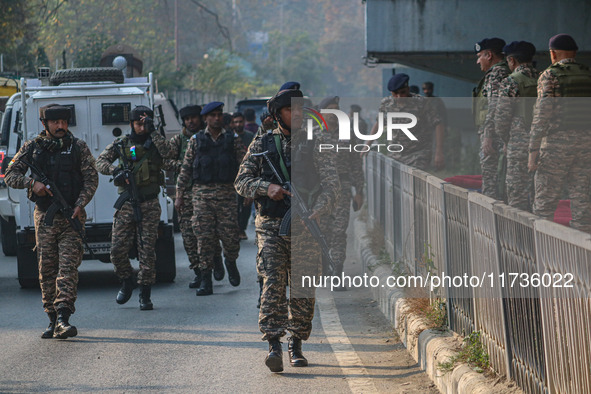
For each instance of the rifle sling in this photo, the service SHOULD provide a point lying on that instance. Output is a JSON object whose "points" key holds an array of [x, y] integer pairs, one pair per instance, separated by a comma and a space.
{"points": [[281, 162]]}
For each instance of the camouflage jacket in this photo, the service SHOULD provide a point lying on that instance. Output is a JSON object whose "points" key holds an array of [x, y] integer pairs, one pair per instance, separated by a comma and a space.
{"points": [[16, 178], [349, 165], [544, 119], [490, 89], [176, 144], [250, 184], [185, 178], [427, 116], [104, 162], [505, 115]]}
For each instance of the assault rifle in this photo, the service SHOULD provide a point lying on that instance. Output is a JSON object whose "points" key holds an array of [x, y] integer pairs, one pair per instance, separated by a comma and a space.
{"points": [[161, 122], [59, 204], [131, 193], [296, 200]]}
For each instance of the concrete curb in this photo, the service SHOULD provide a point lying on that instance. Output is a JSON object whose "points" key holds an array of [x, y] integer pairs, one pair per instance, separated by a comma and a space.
{"points": [[427, 347]]}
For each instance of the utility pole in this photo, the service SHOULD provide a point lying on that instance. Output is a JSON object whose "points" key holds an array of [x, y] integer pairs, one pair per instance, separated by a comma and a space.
{"points": [[176, 34]]}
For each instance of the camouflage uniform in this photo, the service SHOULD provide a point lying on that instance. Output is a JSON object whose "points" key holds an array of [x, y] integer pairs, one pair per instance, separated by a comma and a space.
{"points": [[513, 130], [277, 254], [489, 164], [564, 159], [124, 226], [59, 247], [180, 143], [214, 207], [416, 153], [350, 171]]}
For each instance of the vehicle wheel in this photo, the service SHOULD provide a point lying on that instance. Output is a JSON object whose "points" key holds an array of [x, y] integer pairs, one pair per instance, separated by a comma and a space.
{"points": [[165, 257], [28, 270], [8, 232], [91, 74]]}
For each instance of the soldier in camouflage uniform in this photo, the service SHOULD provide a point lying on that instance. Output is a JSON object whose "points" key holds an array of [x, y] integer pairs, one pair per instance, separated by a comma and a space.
{"points": [[192, 123], [350, 172], [277, 254], [209, 168], [145, 149], [415, 153], [67, 161], [490, 59], [560, 136], [513, 119], [244, 204]]}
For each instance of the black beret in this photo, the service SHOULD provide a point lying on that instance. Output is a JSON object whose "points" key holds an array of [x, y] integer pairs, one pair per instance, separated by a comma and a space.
{"points": [[55, 112], [139, 111], [290, 85], [523, 48], [212, 107], [563, 42], [190, 110], [328, 101], [494, 44], [282, 99], [398, 81]]}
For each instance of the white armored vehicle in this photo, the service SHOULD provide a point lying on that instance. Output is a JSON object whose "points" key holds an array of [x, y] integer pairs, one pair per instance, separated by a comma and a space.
{"points": [[100, 100]]}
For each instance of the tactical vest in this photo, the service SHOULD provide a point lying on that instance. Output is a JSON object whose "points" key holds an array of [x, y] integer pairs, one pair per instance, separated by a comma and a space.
{"points": [[146, 165], [215, 161], [305, 174], [62, 167], [528, 87], [575, 81], [480, 103]]}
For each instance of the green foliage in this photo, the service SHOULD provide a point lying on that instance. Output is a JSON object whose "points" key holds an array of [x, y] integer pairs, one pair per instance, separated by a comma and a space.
{"points": [[473, 353], [92, 48]]}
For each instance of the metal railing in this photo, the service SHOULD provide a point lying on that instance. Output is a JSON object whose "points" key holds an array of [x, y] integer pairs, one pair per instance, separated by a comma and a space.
{"points": [[539, 336]]}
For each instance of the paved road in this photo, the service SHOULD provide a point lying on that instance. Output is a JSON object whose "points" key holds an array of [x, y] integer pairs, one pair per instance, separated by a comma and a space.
{"points": [[194, 344]]}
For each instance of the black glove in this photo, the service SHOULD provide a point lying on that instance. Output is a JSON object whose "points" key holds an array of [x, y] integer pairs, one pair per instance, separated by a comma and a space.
{"points": [[119, 176], [149, 125]]}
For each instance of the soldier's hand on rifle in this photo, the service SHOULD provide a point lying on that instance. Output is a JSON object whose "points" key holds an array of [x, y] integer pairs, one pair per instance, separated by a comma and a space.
{"points": [[77, 212], [276, 192], [40, 189], [178, 204], [120, 177], [315, 216]]}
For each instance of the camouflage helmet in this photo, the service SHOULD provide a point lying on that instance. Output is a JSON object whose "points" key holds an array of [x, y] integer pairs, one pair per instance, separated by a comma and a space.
{"points": [[54, 112], [282, 99], [137, 112]]}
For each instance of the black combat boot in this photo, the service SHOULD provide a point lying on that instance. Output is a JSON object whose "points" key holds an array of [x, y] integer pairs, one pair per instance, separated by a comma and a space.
{"points": [[127, 286], [206, 287], [63, 329], [274, 359], [197, 281], [233, 274], [49, 332], [260, 292], [218, 268], [294, 348], [145, 302]]}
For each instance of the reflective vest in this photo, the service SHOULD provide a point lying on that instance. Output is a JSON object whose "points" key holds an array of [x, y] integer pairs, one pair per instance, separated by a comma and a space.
{"points": [[215, 161], [146, 165], [62, 167]]}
